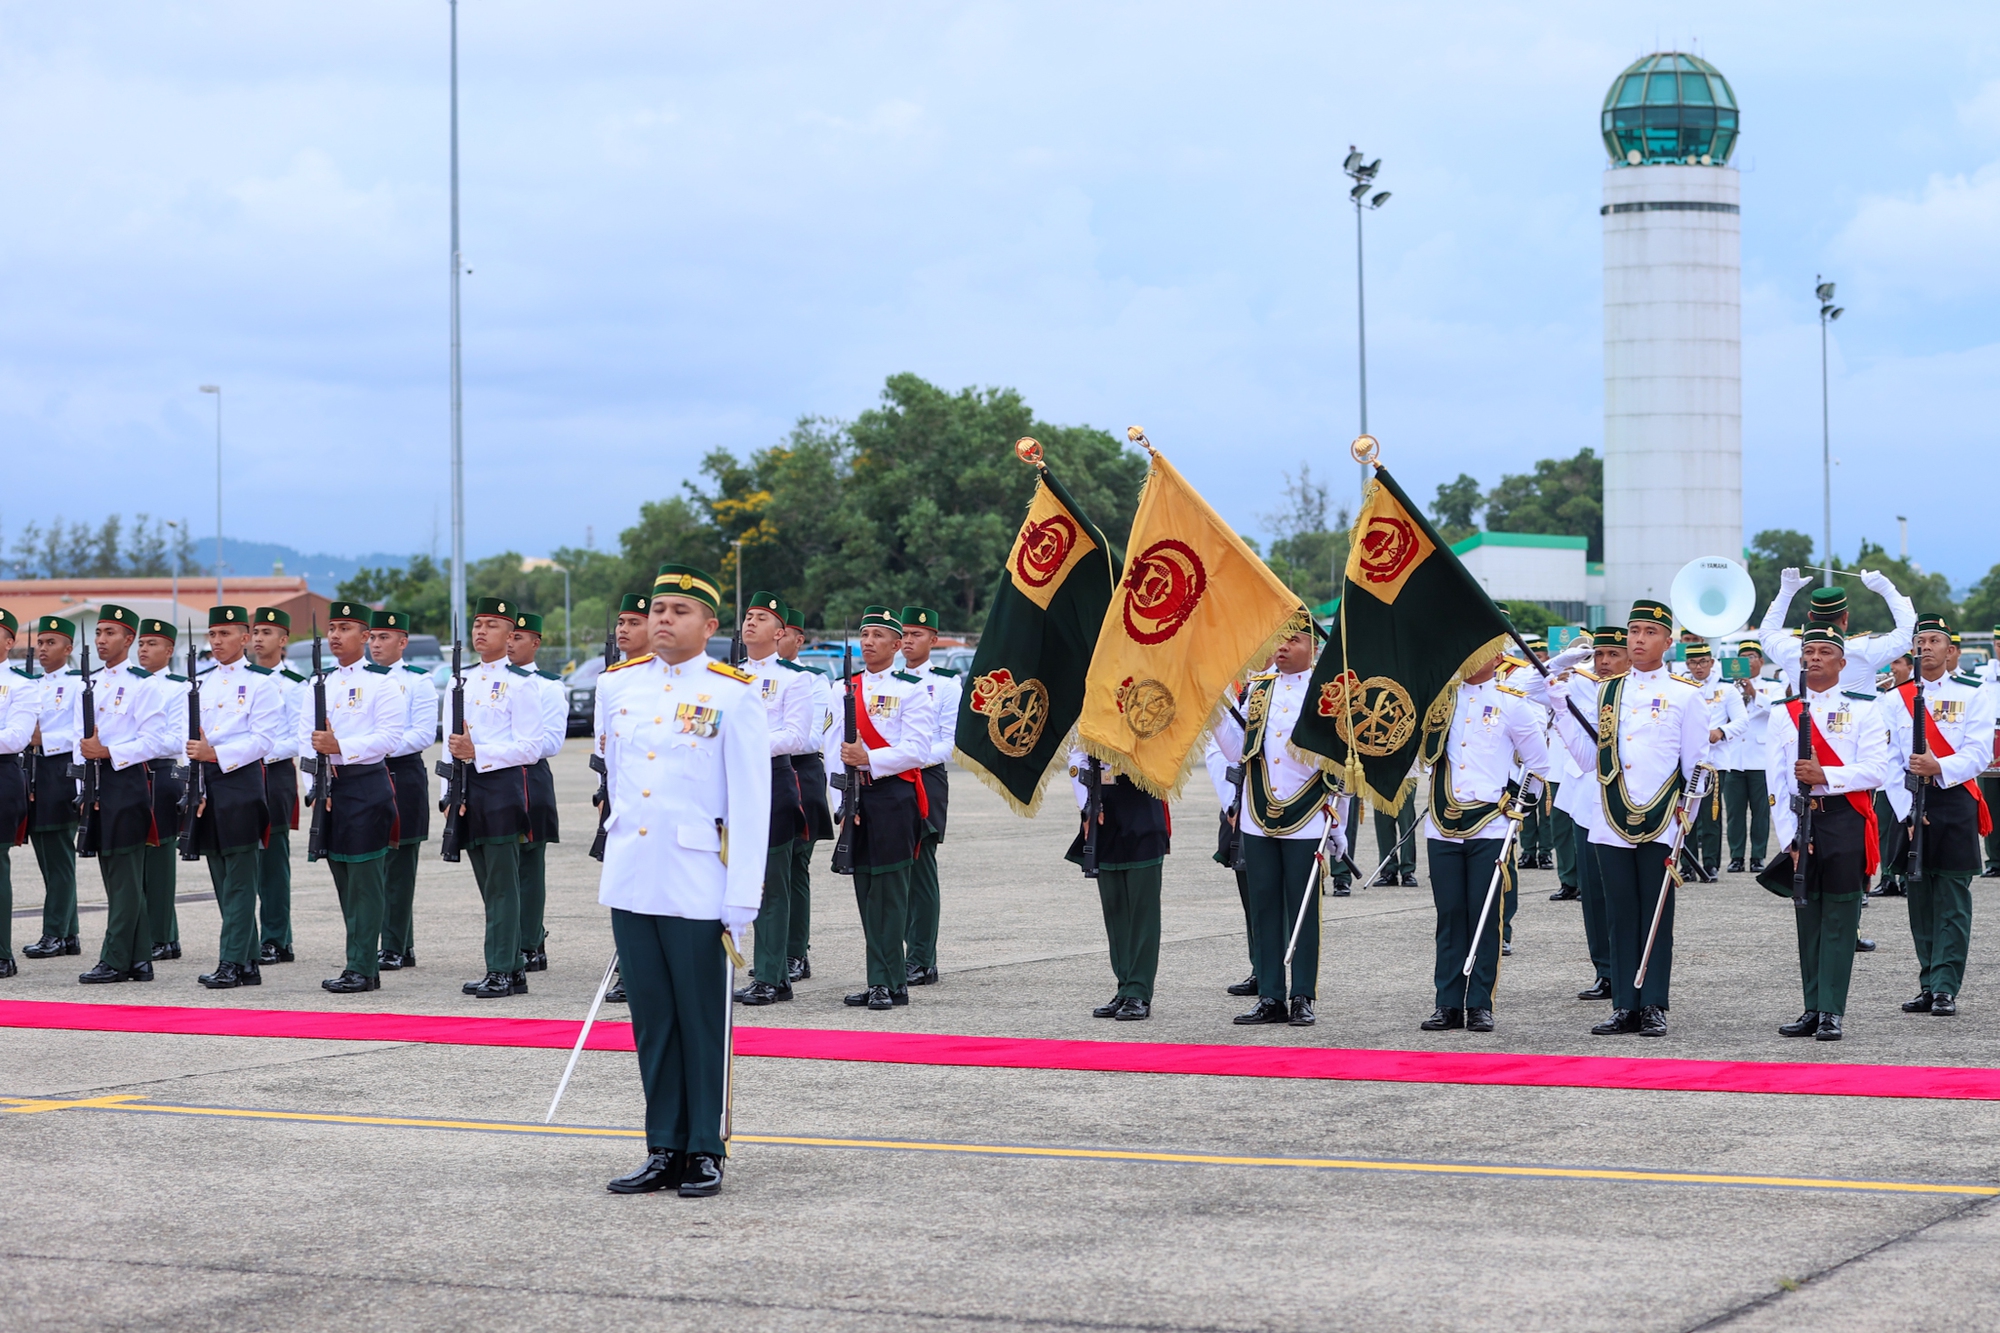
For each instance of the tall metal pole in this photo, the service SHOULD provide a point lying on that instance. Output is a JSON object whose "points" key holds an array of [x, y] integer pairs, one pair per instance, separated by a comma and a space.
{"points": [[1361, 336], [457, 397], [738, 544], [568, 654], [175, 594], [216, 389], [1825, 459]]}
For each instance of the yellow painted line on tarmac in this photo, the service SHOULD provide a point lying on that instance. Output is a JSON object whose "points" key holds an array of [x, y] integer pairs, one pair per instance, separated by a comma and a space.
{"points": [[130, 1104]]}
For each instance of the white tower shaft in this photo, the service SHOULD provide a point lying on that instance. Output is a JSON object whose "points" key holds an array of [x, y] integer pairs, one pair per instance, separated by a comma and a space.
{"points": [[1673, 377]]}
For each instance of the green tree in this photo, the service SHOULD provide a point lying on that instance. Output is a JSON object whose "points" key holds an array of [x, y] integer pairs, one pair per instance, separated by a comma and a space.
{"points": [[419, 589], [1563, 496], [1457, 507], [1866, 611], [1304, 548], [1982, 604], [77, 550], [1773, 551]]}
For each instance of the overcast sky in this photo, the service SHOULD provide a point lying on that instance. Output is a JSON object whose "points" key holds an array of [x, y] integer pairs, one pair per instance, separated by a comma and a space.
{"points": [[689, 225]]}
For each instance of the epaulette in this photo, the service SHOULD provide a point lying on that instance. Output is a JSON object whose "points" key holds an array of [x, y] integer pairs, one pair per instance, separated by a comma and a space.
{"points": [[943, 671], [140, 672], [794, 666], [375, 667], [74, 671], [1260, 675], [547, 675], [24, 675], [904, 675], [290, 674], [1964, 678], [1509, 689], [413, 670], [1588, 675], [519, 670], [1685, 680], [260, 670], [724, 669], [178, 680], [1857, 694], [628, 662]]}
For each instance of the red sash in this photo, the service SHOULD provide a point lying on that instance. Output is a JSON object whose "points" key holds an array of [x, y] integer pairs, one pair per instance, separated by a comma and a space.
{"points": [[1863, 801], [864, 726], [1942, 749]]}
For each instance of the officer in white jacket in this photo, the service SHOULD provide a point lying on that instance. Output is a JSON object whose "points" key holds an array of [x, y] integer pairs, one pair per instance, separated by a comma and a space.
{"points": [[1728, 723]]}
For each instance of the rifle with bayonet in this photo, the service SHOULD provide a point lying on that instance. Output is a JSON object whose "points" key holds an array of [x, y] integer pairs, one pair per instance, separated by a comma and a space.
{"points": [[601, 798], [1093, 812], [195, 793], [849, 780], [1919, 785], [89, 831], [1229, 847], [1802, 807], [322, 780], [453, 770]]}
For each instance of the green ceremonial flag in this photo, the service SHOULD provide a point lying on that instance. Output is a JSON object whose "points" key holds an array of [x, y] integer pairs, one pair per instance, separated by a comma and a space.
{"points": [[1024, 690], [1412, 621]]}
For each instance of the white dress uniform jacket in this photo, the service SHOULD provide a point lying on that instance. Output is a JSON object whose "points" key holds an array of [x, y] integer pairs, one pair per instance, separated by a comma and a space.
{"points": [[904, 712], [1662, 725], [1853, 731], [1964, 714], [554, 711], [503, 715], [420, 718], [1493, 725], [946, 691], [687, 752], [1288, 773], [298, 704], [1727, 715], [1868, 655], [794, 701], [131, 712], [20, 706], [366, 710], [56, 712], [242, 715]]}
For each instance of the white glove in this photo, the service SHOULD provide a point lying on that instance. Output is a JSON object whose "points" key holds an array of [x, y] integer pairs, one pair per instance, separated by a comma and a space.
{"points": [[1578, 652], [1877, 582], [734, 919], [1559, 691], [1790, 581]]}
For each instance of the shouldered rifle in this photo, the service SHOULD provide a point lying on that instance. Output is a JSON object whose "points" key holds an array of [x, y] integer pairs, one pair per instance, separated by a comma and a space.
{"points": [[322, 782], [1093, 811], [849, 779], [195, 793], [601, 798], [1802, 807], [1231, 846], [454, 771], [31, 753], [1919, 785], [1691, 798], [89, 832]]}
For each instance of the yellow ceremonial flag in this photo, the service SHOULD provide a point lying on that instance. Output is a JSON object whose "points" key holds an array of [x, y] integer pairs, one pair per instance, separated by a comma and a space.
{"points": [[1195, 609]]}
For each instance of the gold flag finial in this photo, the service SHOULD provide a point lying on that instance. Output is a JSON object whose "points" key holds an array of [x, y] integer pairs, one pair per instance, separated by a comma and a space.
{"points": [[1137, 434], [1366, 449], [1029, 450]]}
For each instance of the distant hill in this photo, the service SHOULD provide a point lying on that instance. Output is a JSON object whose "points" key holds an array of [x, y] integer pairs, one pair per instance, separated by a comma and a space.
{"points": [[322, 572]]}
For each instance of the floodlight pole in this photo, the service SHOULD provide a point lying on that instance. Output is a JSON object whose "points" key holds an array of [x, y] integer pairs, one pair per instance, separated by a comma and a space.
{"points": [[457, 395], [216, 389], [1828, 312], [1362, 173]]}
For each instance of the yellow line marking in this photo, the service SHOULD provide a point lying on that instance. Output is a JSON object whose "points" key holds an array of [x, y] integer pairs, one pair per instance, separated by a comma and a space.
{"points": [[138, 1105]]}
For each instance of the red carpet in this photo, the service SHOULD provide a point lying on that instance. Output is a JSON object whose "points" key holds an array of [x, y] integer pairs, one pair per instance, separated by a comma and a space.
{"points": [[1126, 1057]]}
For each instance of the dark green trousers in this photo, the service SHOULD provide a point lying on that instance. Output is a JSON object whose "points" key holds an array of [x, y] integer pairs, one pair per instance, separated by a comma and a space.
{"points": [[774, 918], [1590, 884], [1826, 926], [1461, 872], [677, 986], [1941, 927], [1706, 835], [1747, 802], [1249, 927], [399, 899], [234, 875], [1989, 786], [128, 940], [55, 854], [497, 867], [1393, 831], [921, 936], [1350, 821], [274, 887], [6, 900], [884, 899], [534, 895], [798, 931], [1510, 897], [1563, 829], [1532, 830], [359, 885], [1281, 880], [1633, 877], [1131, 901], [162, 871]]}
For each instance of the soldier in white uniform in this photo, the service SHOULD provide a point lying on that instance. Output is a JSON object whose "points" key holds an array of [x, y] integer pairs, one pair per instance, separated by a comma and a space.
{"points": [[52, 791], [388, 638], [1850, 761], [1989, 781], [920, 634], [793, 698], [1473, 781], [1867, 654], [19, 691], [522, 647], [270, 633], [814, 796], [154, 652], [1288, 804], [1219, 768], [242, 718], [886, 804], [1746, 804], [132, 725], [1728, 728], [634, 639], [1938, 869], [687, 751], [1658, 737]]}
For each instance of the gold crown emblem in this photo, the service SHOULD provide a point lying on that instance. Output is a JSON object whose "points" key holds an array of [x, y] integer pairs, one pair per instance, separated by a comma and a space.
{"points": [[229, 615], [687, 581]]}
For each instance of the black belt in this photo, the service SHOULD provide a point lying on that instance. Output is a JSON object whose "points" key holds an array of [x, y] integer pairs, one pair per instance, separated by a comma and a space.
{"points": [[10, 760], [781, 763], [163, 765], [343, 771]]}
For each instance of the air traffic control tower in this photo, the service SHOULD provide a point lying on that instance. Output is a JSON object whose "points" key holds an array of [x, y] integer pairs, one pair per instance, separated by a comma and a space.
{"points": [[1673, 379]]}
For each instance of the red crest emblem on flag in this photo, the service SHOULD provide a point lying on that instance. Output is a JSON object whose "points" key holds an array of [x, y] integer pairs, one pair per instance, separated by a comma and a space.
{"points": [[1043, 548], [1388, 547], [1162, 589]]}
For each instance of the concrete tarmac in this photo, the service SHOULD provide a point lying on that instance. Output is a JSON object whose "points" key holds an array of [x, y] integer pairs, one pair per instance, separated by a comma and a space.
{"points": [[122, 1218]]}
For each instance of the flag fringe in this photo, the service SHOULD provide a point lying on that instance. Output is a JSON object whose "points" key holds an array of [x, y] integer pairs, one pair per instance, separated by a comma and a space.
{"points": [[986, 777]]}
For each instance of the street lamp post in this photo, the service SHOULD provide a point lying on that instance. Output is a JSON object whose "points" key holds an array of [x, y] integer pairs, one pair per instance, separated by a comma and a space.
{"points": [[174, 594], [1362, 173], [1828, 312], [216, 389], [457, 397], [738, 544]]}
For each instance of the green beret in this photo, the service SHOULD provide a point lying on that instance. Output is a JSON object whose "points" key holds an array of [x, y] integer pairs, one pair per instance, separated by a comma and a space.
{"points": [[766, 601], [687, 581], [228, 615], [55, 625], [163, 629], [882, 616], [7, 620], [1827, 604], [118, 615], [634, 604], [528, 621], [1646, 611], [795, 617], [1608, 636], [496, 606], [1824, 634], [271, 615], [349, 611], [390, 620], [1935, 625], [920, 616]]}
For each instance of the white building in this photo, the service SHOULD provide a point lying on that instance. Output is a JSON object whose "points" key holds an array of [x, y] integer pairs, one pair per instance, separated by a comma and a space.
{"points": [[1673, 394], [1536, 567]]}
